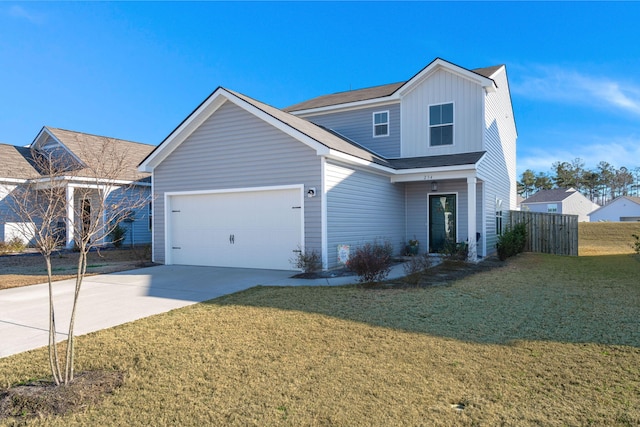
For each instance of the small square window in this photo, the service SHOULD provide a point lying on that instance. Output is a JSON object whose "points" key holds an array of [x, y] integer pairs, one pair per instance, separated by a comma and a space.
{"points": [[381, 123]]}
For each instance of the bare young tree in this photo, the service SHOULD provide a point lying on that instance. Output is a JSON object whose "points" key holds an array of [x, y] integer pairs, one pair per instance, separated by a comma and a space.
{"points": [[38, 205], [91, 196]]}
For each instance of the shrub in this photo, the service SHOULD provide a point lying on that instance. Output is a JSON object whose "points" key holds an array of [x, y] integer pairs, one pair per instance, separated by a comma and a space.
{"points": [[309, 262], [416, 267], [117, 235], [512, 241], [456, 251], [14, 245], [371, 262], [636, 245]]}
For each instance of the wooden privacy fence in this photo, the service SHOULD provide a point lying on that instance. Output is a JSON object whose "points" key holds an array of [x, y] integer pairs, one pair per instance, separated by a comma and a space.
{"points": [[548, 233]]}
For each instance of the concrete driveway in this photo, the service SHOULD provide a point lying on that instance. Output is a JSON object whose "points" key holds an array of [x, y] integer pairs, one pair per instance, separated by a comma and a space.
{"points": [[112, 299], [108, 300]]}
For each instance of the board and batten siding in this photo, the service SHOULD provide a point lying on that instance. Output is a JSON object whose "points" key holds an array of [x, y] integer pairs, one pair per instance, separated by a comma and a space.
{"points": [[362, 207], [357, 125], [440, 88], [498, 166], [235, 149]]}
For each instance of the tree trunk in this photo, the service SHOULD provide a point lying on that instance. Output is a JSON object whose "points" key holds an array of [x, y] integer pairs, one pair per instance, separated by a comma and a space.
{"points": [[82, 268], [54, 361]]}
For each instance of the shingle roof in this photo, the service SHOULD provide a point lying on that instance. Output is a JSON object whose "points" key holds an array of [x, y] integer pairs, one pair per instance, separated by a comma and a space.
{"points": [[92, 149], [553, 195], [337, 142], [437, 161], [367, 93], [15, 162], [346, 97], [329, 139]]}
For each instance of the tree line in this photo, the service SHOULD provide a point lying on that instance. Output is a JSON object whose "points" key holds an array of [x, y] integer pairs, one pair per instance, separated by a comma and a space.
{"points": [[600, 184]]}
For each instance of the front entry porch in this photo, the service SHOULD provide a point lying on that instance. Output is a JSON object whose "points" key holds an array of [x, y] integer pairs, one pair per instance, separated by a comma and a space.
{"points": [[445, 210]]}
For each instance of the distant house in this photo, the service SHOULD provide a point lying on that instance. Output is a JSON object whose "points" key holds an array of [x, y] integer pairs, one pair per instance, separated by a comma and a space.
{"points": [[620, 209], [82, 156], [560, 200], [240, 183]]}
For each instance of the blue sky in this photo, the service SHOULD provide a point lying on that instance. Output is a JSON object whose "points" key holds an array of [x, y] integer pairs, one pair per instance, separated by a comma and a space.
{"points": [[136, 70]]}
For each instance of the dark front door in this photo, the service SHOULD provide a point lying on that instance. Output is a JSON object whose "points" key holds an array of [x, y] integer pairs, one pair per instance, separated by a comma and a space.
{"points": [[442, 221]]}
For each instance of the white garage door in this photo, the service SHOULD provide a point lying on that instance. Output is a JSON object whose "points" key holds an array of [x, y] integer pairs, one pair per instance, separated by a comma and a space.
{"points": [[251, 229]]}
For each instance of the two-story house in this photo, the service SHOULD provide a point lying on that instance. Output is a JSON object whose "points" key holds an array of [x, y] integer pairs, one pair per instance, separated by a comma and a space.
{"points": [[240, 183]]}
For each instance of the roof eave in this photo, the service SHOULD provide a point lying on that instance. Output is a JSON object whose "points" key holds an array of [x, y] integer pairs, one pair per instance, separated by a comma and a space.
{"points": [[488, 84], [390, 99]]}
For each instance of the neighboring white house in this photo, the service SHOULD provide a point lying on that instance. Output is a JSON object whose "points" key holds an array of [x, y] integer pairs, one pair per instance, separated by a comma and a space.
{"points": [[560, 200], [240, 183], [620, 209], [82, 156]]}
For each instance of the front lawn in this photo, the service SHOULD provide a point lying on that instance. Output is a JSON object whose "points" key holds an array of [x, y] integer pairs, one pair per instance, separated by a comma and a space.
{"points": [[543, 340]]}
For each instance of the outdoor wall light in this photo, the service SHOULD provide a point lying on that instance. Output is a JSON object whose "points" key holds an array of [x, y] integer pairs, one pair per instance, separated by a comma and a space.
{"points": [[434, 186], [311, 192]]}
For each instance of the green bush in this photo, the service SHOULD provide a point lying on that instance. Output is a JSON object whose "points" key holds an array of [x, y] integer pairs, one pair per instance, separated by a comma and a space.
{"points": [[512, 241], [371, 262], [117, 235]]}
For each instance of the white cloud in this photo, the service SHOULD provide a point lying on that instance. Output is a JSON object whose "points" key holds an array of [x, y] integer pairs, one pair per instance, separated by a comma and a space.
{"points": [[568, 86], [621, 151], [22, 13]]}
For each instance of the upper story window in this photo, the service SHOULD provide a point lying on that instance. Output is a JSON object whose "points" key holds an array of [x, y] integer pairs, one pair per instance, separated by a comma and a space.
{"points": [[441, 124], [381, 123]]}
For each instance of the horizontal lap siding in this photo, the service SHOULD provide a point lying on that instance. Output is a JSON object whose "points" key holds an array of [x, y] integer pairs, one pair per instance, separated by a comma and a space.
{"points": [[498, 167], [131, 196], [234, 149], [357, 125], [418, 193], [362, 207], [6, 213]]}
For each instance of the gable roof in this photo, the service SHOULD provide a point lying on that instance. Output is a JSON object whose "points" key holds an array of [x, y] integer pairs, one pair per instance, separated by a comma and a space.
{"points": [[553, 195], [389, 90], [16, 162], [92, 151], [323, 140], [632, 199]]}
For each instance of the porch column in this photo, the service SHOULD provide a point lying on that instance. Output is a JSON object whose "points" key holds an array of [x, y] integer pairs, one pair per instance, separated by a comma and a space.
{"points": [[471, 213], [70, 217]]}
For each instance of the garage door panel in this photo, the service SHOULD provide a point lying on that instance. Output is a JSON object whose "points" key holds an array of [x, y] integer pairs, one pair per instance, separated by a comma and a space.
{"points": [[254, 229]]}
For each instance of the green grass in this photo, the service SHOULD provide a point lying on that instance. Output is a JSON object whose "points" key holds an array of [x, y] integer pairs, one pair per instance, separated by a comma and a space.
{"points": [[545, 340]]}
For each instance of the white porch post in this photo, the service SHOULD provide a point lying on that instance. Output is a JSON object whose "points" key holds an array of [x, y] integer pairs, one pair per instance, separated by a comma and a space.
{"points": [[70, 217], [471, 213]]}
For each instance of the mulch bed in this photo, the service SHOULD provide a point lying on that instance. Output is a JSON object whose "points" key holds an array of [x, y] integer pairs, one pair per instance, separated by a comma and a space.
{"points": [[42, 398]]}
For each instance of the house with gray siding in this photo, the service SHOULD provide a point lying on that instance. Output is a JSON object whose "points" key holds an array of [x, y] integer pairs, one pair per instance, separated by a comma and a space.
{"points": [[241, 183], [566, 201], [86, 167]]}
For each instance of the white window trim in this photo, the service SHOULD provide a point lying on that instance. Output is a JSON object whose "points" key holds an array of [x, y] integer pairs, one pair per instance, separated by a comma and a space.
{"points": [[453, 125], [373, 121]]}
